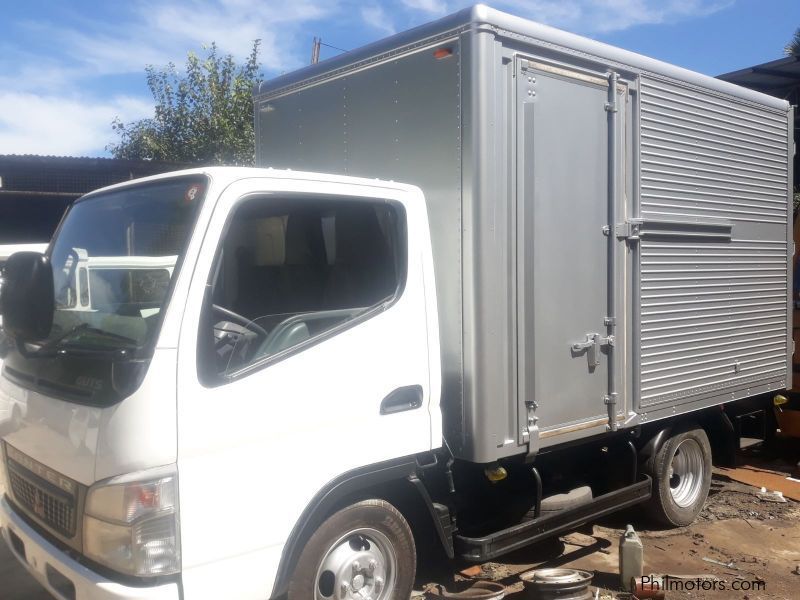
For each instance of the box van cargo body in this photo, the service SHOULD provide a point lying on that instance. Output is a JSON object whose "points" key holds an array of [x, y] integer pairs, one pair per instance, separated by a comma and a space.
{"points": [[297, 381], [611, 233]]}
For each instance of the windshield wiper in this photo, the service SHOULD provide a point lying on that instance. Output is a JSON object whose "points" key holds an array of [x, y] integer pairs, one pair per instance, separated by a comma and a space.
{"points": [[85, 328], [63, 336]]}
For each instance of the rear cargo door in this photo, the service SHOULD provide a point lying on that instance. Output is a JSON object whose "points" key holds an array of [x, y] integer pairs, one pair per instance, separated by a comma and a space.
{"points": [[563, 256], [713, 242]]}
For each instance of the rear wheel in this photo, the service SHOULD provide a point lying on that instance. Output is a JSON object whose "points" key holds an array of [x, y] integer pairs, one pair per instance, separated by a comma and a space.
{"points": [[681, 472], [363, 552]]}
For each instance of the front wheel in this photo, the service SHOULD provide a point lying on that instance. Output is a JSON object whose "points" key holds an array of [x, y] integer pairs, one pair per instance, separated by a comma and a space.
{"points": [[681, 472], [363, 552]]}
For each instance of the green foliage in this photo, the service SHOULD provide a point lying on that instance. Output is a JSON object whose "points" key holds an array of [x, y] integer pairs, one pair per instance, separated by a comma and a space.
{"points": [[793, 47], [202, 116]]}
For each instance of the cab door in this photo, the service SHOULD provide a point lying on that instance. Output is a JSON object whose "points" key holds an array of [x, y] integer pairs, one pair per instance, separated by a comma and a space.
{"points": [[303, 355]]}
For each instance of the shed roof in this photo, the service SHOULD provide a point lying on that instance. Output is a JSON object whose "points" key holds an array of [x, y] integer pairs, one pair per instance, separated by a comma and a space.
{"points": [[777, 78]]}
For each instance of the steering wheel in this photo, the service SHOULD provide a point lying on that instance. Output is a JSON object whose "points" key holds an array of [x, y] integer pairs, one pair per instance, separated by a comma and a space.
{"points": [[240, 320]]}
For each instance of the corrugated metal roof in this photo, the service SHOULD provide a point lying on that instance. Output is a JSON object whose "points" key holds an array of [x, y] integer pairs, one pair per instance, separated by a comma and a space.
{"points": [[88, 160], [73, 175], [777, 78]]}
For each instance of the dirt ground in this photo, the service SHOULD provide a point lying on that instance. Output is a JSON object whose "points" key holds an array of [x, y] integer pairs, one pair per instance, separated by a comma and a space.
{"points": [[741, 546]]}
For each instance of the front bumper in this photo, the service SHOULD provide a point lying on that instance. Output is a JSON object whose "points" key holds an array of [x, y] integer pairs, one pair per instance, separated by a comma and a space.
{"points": [[62, 576]]}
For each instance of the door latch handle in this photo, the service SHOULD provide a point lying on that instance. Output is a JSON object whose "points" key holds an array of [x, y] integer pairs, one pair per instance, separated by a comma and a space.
{"points": [[402, 399], [592, 345]]}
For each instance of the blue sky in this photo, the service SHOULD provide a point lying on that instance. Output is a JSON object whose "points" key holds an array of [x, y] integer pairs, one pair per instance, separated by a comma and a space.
{"points": [[67, 68]]}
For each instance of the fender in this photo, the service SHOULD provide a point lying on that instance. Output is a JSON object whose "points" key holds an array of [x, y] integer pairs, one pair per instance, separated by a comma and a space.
{"points": [[327, 500], [439, 514], [722, 436], [654, 444]]}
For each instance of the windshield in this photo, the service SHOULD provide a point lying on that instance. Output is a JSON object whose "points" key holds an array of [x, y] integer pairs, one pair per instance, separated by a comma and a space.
{"points": [[114, 259]]}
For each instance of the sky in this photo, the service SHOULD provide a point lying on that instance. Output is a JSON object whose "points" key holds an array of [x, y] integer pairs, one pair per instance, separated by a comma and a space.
{"points": [[69, 67]]}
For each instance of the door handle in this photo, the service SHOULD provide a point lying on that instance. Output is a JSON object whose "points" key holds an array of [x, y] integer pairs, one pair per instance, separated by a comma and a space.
{"points": [[592, 346], [402, 399]]}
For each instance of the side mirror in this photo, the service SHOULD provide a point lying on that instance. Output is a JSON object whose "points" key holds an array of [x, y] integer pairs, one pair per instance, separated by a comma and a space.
{"points": [[27, 301]]}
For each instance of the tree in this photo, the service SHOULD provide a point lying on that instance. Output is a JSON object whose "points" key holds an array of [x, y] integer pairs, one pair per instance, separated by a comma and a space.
{"points": [[793, 47], [202, 116]]}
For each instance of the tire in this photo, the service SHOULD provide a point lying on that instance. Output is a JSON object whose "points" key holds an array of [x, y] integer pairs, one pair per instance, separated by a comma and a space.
{"points": [[681, 473], [367, 547]]}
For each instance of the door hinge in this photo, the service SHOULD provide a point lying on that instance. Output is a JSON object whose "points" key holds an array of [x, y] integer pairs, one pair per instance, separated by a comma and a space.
{"points": [[610, 400], [530, 433], [592, 345], [531, 421]]}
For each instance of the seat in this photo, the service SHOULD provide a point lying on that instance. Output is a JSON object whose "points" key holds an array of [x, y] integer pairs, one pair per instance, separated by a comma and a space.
{"points": [[269, 293], [364, 272]]}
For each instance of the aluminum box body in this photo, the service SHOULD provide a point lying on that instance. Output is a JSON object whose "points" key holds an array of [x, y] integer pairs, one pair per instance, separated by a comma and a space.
{"points": [[650, 207]]}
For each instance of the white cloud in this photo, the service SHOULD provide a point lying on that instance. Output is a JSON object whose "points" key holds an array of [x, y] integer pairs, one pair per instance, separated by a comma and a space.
{"points": [[603, 16], [374, 16], [53, 95], [52, 124], [434, 7], [161, 32], [55, 103], [613, 15]]}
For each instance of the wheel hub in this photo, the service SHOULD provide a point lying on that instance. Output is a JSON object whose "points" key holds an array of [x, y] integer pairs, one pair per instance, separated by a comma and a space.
{"points": [[686, 473], [357, 567]]}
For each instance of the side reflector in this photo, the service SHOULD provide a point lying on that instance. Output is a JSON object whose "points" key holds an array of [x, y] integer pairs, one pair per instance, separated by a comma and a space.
{"points": [[442, 53]]}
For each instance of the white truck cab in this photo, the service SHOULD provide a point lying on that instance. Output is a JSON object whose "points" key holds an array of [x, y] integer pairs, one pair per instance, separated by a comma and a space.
{"points": [[176, 440]]}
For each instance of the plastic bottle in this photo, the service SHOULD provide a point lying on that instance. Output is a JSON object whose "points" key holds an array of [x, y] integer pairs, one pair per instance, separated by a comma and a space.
{"points": [[631, 557]]}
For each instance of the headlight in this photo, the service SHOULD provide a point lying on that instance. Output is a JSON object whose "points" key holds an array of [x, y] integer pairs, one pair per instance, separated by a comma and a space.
{"points": [[132, 527]]}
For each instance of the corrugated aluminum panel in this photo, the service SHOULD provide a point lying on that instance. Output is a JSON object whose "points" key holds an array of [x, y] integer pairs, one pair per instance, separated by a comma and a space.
{"points": [[713, 311]]}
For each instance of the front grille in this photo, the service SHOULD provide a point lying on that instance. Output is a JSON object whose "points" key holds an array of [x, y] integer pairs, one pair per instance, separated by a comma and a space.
{"points": [[54, 508]]}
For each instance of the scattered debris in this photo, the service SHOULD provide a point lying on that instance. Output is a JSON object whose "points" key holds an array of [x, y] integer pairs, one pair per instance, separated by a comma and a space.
{"points": [[774, 496], [554, 584], [495, 571], [728, 532], [762, 477], [472, 571], [738, 501], [480, 590], [579, 539], [649, 587], [727, 565]]}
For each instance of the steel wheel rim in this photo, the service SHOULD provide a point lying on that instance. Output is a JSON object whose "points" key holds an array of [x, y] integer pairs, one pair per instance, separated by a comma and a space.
{"points": [[686, 472], [360, 565]]}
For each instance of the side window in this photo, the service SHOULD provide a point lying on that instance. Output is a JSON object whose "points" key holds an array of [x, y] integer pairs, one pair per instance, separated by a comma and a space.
{"points": [[290, 270]]}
